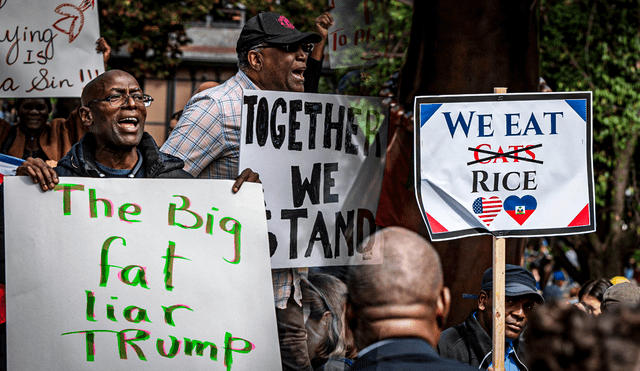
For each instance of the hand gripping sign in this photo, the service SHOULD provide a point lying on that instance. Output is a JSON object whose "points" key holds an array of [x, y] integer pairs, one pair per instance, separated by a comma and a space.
{"points": [[513, 165]]}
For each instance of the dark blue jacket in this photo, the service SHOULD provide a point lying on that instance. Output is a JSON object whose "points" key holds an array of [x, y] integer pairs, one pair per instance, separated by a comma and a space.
{"points": [[80, 161], [469, 343], [406, 355]]}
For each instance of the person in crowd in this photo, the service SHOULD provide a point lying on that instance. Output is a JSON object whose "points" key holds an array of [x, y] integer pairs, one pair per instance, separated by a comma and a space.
{"points": [[555, 290], [329, 341], [114, 110], [34, 136], [397, 309], [621, 294], [470, 342], [591, 294], [272, 55], [561, 337], [205, 85]]}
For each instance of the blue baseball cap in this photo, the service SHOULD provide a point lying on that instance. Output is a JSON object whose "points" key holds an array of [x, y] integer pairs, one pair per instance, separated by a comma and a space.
{"points": [[517, 282]]}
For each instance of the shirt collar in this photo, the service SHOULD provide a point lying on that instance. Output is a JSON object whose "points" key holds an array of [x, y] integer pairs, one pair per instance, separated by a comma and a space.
{"points": [[246, 82]]}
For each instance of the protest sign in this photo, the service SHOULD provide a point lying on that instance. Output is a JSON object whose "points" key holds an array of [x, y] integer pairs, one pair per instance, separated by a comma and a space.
{"points": [[510, 165], [138, 274], [358, 36], [321, 159], [47, 48]]}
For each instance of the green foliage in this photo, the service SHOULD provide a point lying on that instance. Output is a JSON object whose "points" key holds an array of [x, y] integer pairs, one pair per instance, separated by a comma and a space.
{"points": [[153, 32], [302, 13], [595, 45]]}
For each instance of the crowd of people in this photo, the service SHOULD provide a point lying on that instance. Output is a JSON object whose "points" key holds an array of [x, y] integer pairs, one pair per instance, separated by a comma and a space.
{"points": [[377, 317]]}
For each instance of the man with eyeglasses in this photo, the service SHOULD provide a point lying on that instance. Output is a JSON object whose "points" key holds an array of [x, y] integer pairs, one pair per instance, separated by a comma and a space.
{"points": [[114, 109], [272, 55]]}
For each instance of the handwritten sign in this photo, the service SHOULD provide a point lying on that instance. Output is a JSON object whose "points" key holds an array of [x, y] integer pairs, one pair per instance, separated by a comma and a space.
{"points": [[321, 159], [47, 48], [144, 274], [358, 36], [513, 165]]}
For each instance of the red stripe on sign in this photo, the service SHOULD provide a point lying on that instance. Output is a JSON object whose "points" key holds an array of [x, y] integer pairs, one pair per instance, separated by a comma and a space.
{"points": [[581, 219], [3, 304], [435, 226]]}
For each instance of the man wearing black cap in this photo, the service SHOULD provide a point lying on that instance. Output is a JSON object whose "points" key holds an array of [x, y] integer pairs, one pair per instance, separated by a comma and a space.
{"points": [[272, 55], [470, 342]]}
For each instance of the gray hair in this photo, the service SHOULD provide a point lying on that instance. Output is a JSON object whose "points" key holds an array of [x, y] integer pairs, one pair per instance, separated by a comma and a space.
{"points": [[243, 56]]}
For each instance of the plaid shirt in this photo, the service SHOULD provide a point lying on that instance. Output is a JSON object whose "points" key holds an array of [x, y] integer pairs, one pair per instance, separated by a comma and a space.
{"points": [[207, 138]]}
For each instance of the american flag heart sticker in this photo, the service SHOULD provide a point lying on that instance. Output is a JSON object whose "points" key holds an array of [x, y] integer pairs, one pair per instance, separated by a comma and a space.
{"points": [[487, 209]]}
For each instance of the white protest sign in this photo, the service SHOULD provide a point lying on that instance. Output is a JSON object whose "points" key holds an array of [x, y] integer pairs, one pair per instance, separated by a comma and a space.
{"points": [[357, 37], [47, 48], [321, 159], [138, 274], [511, 165]]}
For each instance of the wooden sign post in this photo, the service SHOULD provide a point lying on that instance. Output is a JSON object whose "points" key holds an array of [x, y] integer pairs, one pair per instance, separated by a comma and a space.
{"points": [[498, 291]]}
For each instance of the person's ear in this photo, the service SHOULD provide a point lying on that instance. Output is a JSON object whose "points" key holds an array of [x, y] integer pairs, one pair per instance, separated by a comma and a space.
{"points": [[443, 305], [482, 300], [86, 116], [326, 319], [255, 59]]}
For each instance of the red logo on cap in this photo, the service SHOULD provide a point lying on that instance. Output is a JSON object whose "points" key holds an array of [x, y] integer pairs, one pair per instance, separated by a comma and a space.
{"points": [[285, 22]]}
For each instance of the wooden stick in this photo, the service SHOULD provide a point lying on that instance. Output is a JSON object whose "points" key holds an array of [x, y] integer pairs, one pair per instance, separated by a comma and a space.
{"points": [[498, 302], [498, 292]]}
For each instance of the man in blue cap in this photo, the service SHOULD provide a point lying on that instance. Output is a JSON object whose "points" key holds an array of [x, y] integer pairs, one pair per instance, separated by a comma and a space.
{"points": [[470, 342]]}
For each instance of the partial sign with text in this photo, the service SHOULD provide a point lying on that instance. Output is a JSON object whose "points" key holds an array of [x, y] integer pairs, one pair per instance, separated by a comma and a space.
{"points": [[47, 48]]}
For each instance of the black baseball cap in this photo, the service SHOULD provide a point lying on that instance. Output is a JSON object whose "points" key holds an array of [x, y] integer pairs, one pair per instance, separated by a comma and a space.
{"points": [[272, 28], [517, 282]]}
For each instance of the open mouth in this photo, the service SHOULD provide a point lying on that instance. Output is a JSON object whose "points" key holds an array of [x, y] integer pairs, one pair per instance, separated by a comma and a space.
{"points": [[128, 123], [298, 73]]}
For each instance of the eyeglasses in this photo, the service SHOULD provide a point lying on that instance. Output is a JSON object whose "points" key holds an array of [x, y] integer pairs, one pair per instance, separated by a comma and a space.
{"points": [[289, 48], [120, 100]]}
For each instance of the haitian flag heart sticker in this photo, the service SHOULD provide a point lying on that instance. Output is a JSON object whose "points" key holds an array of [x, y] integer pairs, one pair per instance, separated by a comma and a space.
{"points": [[520, 209]]}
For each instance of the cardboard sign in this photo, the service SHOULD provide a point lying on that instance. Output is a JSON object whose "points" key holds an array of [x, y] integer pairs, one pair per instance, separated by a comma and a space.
{"points": [[511, 165], [321, 160], [138, 274], [47, 48], [357, 37]]}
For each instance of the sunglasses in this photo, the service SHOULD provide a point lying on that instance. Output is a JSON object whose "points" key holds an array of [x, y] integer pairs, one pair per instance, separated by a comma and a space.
{"points": [[290, 48]]}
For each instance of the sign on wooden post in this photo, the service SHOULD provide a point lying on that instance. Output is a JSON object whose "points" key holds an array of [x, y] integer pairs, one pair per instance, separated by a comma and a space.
{"points": [[508, 165]]}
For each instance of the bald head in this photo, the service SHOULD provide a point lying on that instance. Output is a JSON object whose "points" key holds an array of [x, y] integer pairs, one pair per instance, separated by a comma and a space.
{"points": [[402, 297], [205, 85], [97, 87]]}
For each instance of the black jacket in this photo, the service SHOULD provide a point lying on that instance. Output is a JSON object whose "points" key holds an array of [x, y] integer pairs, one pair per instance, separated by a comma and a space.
{"points": [[80, 161], [469, 343], [406, 355]]}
